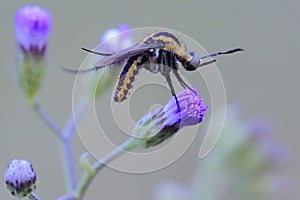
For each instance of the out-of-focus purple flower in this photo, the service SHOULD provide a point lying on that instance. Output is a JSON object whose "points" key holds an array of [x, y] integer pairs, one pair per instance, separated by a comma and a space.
{"points": [[261, 134], [170, 190], [115, 39], [20, 178], [246, 163], [112, 40], [164, 122], [32, 27]]}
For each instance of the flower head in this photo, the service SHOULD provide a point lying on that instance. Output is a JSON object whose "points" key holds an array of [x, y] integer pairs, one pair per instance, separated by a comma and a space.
{"points": [[164, 122], [192, 109], [20, 178], [32, 26]]}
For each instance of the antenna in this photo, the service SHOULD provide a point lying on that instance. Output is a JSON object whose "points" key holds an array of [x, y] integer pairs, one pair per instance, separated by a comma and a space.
{"points": [[96, 52], [79, 71], [221, 53]]}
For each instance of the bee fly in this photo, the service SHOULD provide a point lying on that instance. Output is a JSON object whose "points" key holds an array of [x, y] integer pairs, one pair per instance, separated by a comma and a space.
{"points": [[160, 52]]}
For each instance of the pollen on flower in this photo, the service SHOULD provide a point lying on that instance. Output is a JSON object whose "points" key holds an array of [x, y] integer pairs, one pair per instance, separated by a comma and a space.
{"points": [[32, 28], [20, 178]]}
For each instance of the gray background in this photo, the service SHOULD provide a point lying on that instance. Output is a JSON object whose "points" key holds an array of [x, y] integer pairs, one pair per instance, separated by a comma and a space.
{"points": [[263, 80]]}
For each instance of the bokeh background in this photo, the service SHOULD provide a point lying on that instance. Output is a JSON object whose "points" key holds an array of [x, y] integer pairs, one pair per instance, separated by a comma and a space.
{"points": [[263, 80]]}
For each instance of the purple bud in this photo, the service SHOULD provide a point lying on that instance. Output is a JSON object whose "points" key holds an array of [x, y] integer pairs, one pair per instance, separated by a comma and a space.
{"points": [[20, 178], [32, 26]]}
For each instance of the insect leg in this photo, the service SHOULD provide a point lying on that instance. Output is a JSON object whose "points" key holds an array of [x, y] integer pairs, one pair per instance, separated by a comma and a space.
{"points": [[168, 78], [172, 64], [165, 71], [181, 81]]}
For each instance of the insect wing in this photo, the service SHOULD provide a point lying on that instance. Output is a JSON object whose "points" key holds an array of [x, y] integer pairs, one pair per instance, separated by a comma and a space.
{"points": [[124, 54], [119, 58]]}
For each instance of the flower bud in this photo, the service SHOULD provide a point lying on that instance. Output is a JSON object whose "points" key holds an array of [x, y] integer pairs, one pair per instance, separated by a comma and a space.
{"points": [[20, 178], [32, 28], [157, 126]]}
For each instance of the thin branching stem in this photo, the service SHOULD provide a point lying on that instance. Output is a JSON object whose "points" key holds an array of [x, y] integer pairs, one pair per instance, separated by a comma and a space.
{"points": [[90, 174], [33, 196], [48, 120], [74, 117], [65, 145]]}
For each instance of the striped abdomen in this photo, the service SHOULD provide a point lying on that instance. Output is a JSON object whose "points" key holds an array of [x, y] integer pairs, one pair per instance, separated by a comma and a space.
{"points": [[126, 79]]}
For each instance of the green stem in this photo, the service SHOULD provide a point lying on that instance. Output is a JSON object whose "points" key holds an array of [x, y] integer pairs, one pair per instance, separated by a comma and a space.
{"points": [[90, 174]]}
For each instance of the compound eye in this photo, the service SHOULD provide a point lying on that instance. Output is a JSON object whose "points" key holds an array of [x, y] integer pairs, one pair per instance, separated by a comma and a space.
{"points": [[194, 63]]}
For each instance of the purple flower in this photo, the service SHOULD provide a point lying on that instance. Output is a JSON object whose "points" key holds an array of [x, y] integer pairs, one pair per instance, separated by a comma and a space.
{"points": [[192, 109], [20, 178], [32, 26], [164, 122]]}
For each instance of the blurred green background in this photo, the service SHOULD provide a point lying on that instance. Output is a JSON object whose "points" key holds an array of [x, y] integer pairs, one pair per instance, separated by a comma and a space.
{"points": [[263, 80]]}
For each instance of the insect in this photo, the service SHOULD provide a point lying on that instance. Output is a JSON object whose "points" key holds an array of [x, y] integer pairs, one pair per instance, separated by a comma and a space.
{"points": [[160, 52]]}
